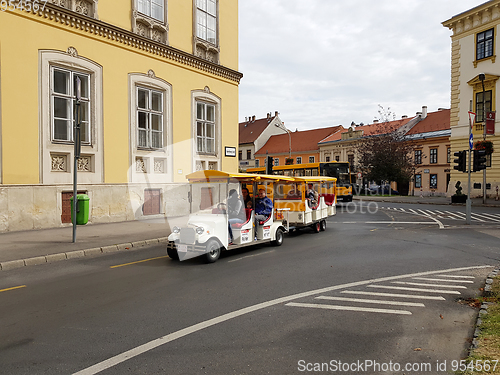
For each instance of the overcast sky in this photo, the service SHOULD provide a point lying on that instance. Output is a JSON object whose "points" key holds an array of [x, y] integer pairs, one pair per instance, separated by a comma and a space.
{"points": [[323, 63]]}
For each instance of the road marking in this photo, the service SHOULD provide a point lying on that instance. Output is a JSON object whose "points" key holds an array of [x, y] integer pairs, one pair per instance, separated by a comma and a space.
{"points": [[457, 276], [400, 222], [438, 298], [494, 218], [433, 285], [449, 281], [15, 287], [141, 349], [349, 308], [250, 256], [377, 301], [477, 217], [415, 289], [139, 261], [458, 215]]}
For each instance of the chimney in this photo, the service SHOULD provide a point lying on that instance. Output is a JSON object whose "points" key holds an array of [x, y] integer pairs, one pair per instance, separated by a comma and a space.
{"points": [[419, 114], [268, 115], [424, 111], [253, 118], [375, 121], [404, 116], [442, 109], [246, 119], [275, 113]]}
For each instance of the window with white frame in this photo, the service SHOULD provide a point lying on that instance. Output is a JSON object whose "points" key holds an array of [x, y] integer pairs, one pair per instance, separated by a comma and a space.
{"points": [[152, 8], [205, 128], [311, 159], [206, 20], [433, 155], [276, 162], [299, 160], [149, 118], [63, 91]]}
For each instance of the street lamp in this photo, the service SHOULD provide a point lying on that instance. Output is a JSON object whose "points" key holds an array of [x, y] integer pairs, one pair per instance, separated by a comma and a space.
{"points": [[281, 126]]}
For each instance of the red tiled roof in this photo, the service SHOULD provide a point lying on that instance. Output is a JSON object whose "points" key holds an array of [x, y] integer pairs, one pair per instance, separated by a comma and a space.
{"points": [[306, 140], [371, 129], [250, 130], [434, 121]]}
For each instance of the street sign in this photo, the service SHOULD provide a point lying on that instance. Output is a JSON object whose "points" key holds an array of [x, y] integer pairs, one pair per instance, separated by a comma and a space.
{"points": [[360, 175], [472, 118], [471, 141], [490, 123]]}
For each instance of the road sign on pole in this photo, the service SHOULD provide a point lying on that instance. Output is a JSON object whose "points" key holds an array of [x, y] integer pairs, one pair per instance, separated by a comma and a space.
{"points": [[471, 141]]}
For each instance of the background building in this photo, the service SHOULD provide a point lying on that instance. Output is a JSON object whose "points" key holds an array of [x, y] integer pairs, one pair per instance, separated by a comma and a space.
{"points": [[159, 88], [474, 45]]}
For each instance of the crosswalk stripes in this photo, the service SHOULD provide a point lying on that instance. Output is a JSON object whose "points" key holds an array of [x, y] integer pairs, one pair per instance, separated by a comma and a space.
{"points": [[445, 214], [407, 294]]}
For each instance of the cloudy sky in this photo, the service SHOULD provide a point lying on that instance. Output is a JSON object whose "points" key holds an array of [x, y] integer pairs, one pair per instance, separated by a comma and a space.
{"points": [[322, 63]]}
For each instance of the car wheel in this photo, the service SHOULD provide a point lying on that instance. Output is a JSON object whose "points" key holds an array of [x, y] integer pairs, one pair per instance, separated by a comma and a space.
{"points": [[213, 251], [322, 225], [172, 253], [316, 227], [279, 237]]}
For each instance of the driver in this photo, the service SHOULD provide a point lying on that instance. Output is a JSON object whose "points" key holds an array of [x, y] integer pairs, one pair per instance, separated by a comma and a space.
{"points": [[236, 211]]}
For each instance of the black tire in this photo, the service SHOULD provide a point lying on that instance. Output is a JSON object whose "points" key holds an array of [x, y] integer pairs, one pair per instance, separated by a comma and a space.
{"points": [[322, 225], [172, 253], [279, 237], [316, 227], [213, 251]]}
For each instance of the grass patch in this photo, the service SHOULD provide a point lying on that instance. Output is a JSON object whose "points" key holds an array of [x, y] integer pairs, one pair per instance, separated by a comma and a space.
{"points": [[488, 341]]}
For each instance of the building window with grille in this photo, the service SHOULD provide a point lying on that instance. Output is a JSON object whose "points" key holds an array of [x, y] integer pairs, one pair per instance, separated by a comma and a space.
{"points": [[418, 156], [206, 20], [149, 118], [433, 155], [484, 44], [299, 160], [480, 104], [63, 100], [418, 181], [205, 128], [433, 184]]}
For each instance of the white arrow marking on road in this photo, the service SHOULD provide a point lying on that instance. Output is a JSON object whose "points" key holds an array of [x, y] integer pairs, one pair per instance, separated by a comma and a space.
{"points": [[348, 308], [377, 301], [134, 352]]}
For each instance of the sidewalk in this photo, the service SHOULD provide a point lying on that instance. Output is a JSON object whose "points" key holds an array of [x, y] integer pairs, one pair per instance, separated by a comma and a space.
{"points": [[32, 247]]}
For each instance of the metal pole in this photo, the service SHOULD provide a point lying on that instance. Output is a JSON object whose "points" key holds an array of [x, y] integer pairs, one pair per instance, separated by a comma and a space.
{"points": [[77, 143], [468, 205], [289, 144], [484, 137]]}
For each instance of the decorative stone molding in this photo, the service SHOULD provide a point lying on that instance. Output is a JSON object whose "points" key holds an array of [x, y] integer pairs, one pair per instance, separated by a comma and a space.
{"points": [[87, 8], [149, 28], [473, 19], [159, 166], [151, 73], [205, 50], [84, 164], [72, 52], [140, 165], [101, 30], [59, 162]]}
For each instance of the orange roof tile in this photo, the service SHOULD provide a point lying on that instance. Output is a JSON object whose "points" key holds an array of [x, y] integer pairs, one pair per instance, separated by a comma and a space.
{"points": [[434, 121], [306, 140]]}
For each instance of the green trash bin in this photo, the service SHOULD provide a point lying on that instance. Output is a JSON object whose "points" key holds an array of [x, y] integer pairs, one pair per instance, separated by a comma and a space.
{"points": [[82, 210]]}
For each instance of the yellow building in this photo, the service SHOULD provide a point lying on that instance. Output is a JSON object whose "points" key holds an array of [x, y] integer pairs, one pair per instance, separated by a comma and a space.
{"points": [[159, 99], [474, 79]]}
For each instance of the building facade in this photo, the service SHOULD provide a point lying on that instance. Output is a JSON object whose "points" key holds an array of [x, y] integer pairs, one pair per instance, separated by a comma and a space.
{"points": [[253, 134], [157, 89], [474, 82]]}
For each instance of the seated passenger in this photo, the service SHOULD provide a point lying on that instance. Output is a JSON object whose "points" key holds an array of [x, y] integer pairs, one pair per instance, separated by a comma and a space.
{"points": [[311, 196], [263, 207]]}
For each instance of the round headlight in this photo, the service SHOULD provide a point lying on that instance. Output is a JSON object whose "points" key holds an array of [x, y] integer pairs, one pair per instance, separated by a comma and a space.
{"points": [[200, 230], [176, 229]]}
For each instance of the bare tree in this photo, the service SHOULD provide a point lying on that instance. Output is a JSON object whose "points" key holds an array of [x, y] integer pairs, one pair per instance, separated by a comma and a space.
{"points": [[387, 154]]}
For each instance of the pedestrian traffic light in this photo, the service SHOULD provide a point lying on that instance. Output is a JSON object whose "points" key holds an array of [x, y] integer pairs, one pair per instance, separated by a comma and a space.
{"points": [[461, 161], [269, 165], [479, 160]]}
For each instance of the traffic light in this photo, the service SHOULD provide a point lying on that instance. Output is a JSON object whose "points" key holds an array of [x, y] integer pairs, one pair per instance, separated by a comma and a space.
{"points": [[479, 160], [461, 161], [269, 165]]}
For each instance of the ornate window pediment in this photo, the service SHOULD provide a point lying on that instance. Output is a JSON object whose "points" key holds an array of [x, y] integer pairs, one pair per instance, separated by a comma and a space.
{"points": [[206, 30], [86, 7]]}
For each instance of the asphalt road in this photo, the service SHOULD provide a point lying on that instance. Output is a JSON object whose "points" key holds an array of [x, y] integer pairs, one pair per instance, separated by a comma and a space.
{"points": [[256, 310]]}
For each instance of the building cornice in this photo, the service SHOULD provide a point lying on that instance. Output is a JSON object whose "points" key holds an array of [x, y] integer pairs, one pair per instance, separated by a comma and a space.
{"points": [[104, 31], [474, 19]]}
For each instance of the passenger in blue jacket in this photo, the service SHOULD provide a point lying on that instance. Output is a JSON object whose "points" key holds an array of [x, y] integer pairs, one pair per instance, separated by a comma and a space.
{"points": [[263, 207]]}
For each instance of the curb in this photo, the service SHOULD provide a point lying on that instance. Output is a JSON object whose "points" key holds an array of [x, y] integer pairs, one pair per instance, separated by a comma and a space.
{"points": [[359, 198], [51, 258], [484, 308]]}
